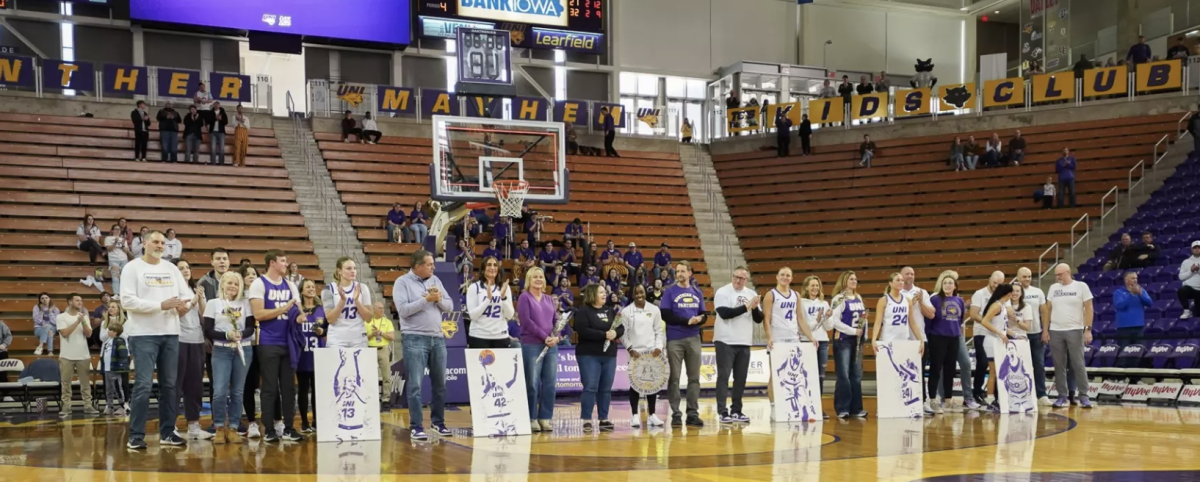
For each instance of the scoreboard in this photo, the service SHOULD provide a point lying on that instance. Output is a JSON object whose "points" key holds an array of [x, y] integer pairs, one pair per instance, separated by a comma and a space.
{"points": [[576, 15]]}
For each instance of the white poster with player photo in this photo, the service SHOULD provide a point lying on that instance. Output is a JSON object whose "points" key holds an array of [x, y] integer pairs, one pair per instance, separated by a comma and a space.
{"points": [[347, 381], [499, 403], [1014, 376], [797, 383], [899, 379]]}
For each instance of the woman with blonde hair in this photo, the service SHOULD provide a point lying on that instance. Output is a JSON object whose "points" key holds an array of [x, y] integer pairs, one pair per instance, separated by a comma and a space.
{"points": [[892, 315], [229, 325], [848, 312], [537, 310], [783, 323], [815, 311], [347, 305]]}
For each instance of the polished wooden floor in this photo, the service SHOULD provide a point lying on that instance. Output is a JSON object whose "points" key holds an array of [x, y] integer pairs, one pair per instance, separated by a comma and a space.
{"points": [[1056, 445]]}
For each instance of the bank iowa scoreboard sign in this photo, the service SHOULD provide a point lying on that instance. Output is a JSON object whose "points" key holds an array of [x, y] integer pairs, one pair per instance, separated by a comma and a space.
{"points": [[575, 25]]}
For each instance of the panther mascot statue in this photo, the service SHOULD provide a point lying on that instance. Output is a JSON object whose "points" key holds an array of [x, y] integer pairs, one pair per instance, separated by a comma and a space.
{"points": [[924, 77]]}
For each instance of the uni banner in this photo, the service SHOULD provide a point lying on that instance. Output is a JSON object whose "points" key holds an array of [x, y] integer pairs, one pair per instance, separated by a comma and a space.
{"points": [[793, 111], [1106, 81], [649, 116], [1014, 374], [826, 110], [438, 102], [496, 380], [126, 79], [742, 119], [868, 106], [912, 102], [1003, 92], [399, 100], [16, 70], [480, 106], [617, 111], [347, 381], [529, 108], [571, 112], [1166, 74], [179, 83], [59, 74], [797, 382], [898, 376], [1048, 87], [956, 96], [232, 87]]}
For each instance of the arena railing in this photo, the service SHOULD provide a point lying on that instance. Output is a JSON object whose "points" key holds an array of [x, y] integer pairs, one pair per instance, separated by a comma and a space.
{"points": [[1180, 127], [1166, 143], [1141, 165], [1086, 220], [1042, 269], [1115, 193]]}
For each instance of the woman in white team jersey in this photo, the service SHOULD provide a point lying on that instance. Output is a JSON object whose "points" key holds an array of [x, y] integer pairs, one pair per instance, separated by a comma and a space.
{"points": [[780, 306], [817, 315], [1020, 325], [994, 325], [347, 306], [489, 306], [892, 315]]}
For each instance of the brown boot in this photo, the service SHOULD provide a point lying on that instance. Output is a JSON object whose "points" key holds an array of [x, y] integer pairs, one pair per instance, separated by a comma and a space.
{"points": [[219, 438], [231, 436]]}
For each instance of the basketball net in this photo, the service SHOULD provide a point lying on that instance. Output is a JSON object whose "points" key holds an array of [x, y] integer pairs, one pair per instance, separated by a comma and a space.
{"points": [[511, 196]]}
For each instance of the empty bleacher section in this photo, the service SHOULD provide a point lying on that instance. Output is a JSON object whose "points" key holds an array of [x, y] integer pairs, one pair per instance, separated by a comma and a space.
{"points": [[55, 170]]}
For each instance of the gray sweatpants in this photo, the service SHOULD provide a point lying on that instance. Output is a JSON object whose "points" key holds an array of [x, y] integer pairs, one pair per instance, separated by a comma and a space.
{"points": [[1067, 348], [680, 353]]}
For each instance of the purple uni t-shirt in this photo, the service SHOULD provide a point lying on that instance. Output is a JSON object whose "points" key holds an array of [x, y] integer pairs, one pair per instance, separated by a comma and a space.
{"points": [[685, 303], [947, 316], [273, 332]]}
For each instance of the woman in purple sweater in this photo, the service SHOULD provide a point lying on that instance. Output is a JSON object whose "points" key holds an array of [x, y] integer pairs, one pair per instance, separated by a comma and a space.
{"points": [[536, 311], [943, 331]]}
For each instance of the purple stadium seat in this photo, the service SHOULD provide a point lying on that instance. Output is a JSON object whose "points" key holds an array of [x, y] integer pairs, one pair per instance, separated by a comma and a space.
{"points": [[1106, 355], [1160, 353], [1185, 354], [1131, 356]]}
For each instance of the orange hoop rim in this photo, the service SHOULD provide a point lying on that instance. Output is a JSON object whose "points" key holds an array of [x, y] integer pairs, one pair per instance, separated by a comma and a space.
{"points": [[503, 187]]}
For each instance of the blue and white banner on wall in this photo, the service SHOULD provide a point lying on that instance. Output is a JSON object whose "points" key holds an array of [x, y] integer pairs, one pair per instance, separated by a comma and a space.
{"points": [[1014, 376], [898, 374], [347, 381], [499, 403], [796, 378]]}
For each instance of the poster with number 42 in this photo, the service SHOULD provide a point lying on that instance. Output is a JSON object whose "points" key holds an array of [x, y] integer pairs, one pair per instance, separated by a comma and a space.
{"points": [[499, 403]]}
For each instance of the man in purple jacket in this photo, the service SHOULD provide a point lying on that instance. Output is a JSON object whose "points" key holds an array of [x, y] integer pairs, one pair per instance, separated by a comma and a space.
{"points": [[683, 310], [1065, 167]]}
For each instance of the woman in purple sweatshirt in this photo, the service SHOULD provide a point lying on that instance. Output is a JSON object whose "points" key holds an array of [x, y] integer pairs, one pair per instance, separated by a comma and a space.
{"points": [[536, 311], [943, 331]]}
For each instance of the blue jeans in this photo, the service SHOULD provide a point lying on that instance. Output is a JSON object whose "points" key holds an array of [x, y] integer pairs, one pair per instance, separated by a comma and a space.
{"points": [[154, 353], [822, 362], [972, 161], [114, 269], [417, 232], [45, 335], [421, 352], [229, 383], [1063, 187], [216, 146], [170, 145], [1037, 351], [540, 381], [596, 373], [957, 160], [192, 149], [391, 233], [847, 394]]}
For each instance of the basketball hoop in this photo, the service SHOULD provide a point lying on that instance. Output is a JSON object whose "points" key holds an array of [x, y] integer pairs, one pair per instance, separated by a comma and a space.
{"points": [[511, 195]]}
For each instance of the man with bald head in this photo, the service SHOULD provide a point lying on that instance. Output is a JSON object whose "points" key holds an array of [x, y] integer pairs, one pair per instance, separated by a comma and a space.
{"points": [[1069, 310], [911, 291], [975, 313], [1036, 300]]}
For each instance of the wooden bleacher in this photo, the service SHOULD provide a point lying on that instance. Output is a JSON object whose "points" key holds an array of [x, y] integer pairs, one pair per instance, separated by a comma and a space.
{"points": [[57, 169]]}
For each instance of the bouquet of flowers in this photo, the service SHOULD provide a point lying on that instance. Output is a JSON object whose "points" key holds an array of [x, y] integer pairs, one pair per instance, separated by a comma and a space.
{"points": [[615, 324], [558, 328]]}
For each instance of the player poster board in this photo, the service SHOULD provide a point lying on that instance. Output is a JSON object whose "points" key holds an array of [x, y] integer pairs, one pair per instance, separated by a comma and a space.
{"points": [[347, 381], [1014, 376], [795, 374], [499, 403], [898, 375]]}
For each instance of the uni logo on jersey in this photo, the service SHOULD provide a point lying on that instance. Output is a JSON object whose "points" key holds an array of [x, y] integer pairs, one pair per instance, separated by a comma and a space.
{"points": [[279, 295], [542, 12], [158, 280]]}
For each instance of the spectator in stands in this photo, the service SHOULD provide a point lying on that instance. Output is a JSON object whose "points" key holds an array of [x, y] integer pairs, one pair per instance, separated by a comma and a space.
{"points": [[993, 151], [125, 231], [1121, 254], [846, 89], [1065, 167], [866, 150], [567, 259], [827, 91], [1178, 49], [783, 133], [589, 260], [806, 134], [882, 84], [216, 134], [1070, 328], [395, 224], [1139, 53], [193, 128], [971, 153], [956, 154], [610, 133], [1016, 149], [465, 256], [732, 102], [293, 274], [1193, 128], [1147, 254], [1081, 66], [612, 258], [655, 291], [249, 274], [370, 130], [1048, 193], [765, 104], [613, 281], [492, 252], [864, 87], [89, 239], [1130, 302], [572, 139], [168, 133], [98, 314], [241, 136], [141, 130], [45, 324], [633, 259], [1189, 274], [417, 230], [662, 262], [174, 248], [574, 232], [685, 132], [118, 255], [204, 103], [75, 360], [502, 231]]}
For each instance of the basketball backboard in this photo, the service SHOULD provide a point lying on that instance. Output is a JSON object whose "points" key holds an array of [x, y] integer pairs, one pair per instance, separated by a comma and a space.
{"points": [[470, 154]]}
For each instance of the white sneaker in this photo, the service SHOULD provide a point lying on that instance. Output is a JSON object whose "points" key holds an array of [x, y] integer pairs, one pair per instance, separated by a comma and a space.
{"points": [[938, 406], [1044, 401], [653, 421], [279, 427], [1186, 314], [252, 431], [636, 422], [38, 350], [196, 433], [929, 407]]}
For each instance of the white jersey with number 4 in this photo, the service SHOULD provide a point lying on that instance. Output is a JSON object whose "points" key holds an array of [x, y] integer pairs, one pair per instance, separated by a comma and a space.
{"points": [[784, 328], [895, 319]]}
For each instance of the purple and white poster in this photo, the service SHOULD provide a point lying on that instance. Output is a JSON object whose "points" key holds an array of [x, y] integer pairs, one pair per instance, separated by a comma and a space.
{"points": [[386, 21], [499, 402], [347, 382], [1014, 376], [797, 382], [898, 374]]}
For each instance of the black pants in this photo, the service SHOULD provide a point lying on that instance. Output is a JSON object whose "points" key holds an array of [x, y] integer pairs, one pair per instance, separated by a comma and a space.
{"points": [[92, 248], [650, 401], [943, 355], [981, 367], [308, 388], [4, 375], [252, 383], [357, 131], [735, 358], [279, 381], [140, 139], [372, 136], [473, 342], [609, 137], [572, 147], [189, 379], [806, 144], [1187, 296], [784, 146]]}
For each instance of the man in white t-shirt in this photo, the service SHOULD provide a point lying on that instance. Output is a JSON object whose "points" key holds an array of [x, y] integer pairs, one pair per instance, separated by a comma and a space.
{"points": [[74, 360], [975, 314], [1070, 313], [737, 311], [154, 295], [1036, 300], [911, 291]]}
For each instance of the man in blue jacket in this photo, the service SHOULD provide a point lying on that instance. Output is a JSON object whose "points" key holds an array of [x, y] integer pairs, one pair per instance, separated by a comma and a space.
{"points": [[1130, 302]]}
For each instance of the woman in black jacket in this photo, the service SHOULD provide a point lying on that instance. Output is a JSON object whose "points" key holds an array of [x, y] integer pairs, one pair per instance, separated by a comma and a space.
{"points": [[598, 329], [193, 132]]}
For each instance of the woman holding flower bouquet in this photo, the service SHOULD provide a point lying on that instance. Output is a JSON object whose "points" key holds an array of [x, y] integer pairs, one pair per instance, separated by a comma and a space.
{"points": [[598, 327], [539, 348], [229, 325]]}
